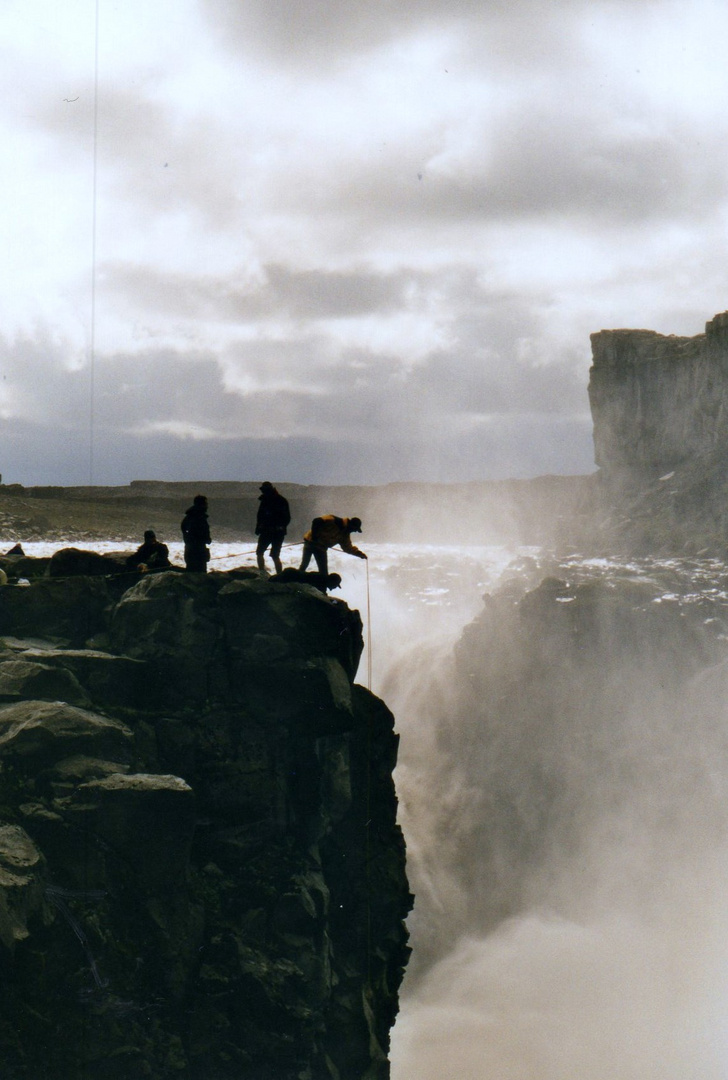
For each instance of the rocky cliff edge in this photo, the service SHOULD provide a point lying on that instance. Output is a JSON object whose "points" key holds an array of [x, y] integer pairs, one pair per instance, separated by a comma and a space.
{"points": [[201, 874], [660, 406]]}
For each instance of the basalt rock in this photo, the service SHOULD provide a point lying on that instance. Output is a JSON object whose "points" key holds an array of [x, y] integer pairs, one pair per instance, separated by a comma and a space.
{"points": [[24, 566], [659, 405], [68, 610], [21, 893], [78, 561], [201, 874]]}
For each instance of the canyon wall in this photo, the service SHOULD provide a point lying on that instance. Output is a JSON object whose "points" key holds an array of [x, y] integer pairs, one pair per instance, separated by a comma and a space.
{"points": [[201, 873], [573, 923], [659, 405]]}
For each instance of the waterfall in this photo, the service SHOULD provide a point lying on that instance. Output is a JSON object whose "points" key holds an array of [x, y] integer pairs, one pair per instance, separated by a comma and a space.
{"points": [[563, 784]]}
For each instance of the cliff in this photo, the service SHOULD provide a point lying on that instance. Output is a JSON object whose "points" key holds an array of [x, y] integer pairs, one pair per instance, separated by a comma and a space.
{"points": [[659, 405], [201, 874]]}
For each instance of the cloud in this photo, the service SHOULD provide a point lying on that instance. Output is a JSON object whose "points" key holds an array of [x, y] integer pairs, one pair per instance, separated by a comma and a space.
{"points": [[275, 291], [308, 414], [301, 34], [388, 226], [324, 28]]}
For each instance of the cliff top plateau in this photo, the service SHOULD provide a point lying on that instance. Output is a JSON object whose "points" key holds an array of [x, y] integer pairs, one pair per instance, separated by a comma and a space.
{"points": [[508, 511]]}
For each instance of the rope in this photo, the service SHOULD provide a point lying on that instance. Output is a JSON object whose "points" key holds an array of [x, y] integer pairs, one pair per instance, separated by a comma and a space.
{"points": [[92, 343], [367, 827], [251, 551], [369, 633]]}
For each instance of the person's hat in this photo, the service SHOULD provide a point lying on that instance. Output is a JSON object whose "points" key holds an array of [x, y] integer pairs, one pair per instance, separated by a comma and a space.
{"points": [[266, 486], [354, 524]]}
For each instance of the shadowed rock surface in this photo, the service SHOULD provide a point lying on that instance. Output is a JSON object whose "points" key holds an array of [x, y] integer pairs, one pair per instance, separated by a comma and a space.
{"points": [[660, 405], [201, 874]]}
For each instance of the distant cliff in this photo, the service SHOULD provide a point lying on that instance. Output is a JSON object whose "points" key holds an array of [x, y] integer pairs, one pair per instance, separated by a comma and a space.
{"points": [[660, 405], [657, 401], [201, 874]]}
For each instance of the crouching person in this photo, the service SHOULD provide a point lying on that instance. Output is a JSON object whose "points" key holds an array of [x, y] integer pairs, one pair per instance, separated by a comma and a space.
{"points": [[326, 532]]}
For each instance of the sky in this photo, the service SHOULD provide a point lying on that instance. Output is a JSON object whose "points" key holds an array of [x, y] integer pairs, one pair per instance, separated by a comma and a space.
{"points": [[344, 241]]}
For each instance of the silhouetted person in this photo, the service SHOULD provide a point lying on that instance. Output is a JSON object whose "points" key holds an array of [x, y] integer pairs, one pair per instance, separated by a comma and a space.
{"points": [[326, 532], [196, 534], [152, 554], [271, 523], [322, 582]]}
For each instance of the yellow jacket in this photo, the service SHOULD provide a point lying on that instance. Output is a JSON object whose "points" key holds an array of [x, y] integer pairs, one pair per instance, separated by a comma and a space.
{"points": [[328, 531]]}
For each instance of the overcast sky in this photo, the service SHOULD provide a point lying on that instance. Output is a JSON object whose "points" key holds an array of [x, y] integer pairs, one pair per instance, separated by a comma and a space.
{"points": [[346, 241]]}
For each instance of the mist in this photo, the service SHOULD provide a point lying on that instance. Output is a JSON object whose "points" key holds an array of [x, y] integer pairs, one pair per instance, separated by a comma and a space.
{"points": [[562, 778]]}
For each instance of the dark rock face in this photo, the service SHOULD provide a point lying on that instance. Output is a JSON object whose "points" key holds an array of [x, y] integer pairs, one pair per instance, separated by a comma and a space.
{"points": [[659, 405], [77, 561], [23, 566], [201, 874]]}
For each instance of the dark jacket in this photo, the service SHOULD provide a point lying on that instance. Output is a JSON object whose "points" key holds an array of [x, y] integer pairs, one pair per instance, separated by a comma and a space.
{"points": [[153, 553], [329, 530], [273, 512], [195, 527]]}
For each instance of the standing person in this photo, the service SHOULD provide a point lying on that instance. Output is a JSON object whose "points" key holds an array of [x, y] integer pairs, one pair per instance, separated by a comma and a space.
{"points": [[271, 523], [326, 532], [196, 534]]}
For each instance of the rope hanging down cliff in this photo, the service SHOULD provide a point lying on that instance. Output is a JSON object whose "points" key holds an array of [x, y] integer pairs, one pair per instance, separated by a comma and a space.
{"points": [[369, 634]]}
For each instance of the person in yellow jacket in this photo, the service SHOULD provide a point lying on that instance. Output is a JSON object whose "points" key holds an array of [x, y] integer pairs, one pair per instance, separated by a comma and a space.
{"points": [[326, 532]]}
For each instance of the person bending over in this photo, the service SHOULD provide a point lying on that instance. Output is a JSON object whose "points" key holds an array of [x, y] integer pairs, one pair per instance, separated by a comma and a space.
{"points": [[326, 532]]}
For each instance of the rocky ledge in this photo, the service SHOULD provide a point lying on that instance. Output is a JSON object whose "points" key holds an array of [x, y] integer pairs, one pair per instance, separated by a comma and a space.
{"points": [[201, 874]]}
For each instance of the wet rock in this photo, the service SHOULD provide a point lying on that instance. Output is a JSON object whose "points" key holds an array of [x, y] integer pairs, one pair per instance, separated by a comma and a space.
{"points": [[70, 610], [306, 619], [39, 733], [74, 561], [314, 695], [148, 820], [109, 679], [64, 777], [24, 566], [21, 889], [171, 621], [26, 679]]}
